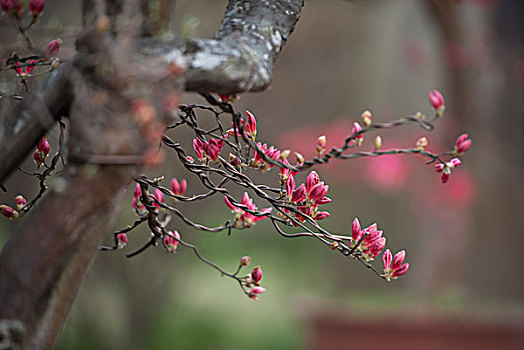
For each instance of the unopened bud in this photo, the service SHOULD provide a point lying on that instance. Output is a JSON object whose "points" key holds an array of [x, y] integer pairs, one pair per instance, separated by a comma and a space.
{"points": [[300, 158], [53, 47], [245, 260], [378, 142], [366, 118], [285, 153], [321, 144], [121, 239], [36, 7], [8, 212], [20, 202], [256, 274]]}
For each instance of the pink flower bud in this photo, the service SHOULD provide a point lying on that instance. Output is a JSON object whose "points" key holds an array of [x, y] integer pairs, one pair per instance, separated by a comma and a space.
{"points": [[463, 144], [256, 274], [319, 191], [257, 290], [36, 7], [137, 192], [190, 159], [321, 215], [224, 97], [53, 47], [121, 239], [178, 188], [386, 258], [356, 233], [356, 129], [229, 204], [7, 5], [324, 200], [401, 271], [43, 146], [290, 186], [38, 158], [445, 177], [439, 167], [198, 146], [455, 162], [251, 125], [159, 196], [311, 180], [398, 260], [8, 212], [171, 241], [20, 202], [299, 194], [436, 100], [245, 260]]}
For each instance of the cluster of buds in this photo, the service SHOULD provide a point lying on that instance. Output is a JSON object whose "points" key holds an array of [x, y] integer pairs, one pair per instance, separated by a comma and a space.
{"points": [[178, 188], [139, 208], [372, 241], [394, 267], [13, 7], [258, 162], [209, 149], [252, 281], [308, 197], [249, 125], [8, 212], [462, 145], [243, 218], [355, 130], [171, 241], [437, 101], [41, 152], [445, 168]]}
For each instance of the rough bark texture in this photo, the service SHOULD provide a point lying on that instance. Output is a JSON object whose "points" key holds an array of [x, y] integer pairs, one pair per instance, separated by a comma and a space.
{"points": [[114, 109]]}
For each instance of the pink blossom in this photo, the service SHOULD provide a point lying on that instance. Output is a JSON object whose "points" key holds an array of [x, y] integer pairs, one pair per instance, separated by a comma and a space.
{"points": [[245, 260], [322, 215], [463, 144], [244, 218], [171, 241], [7, 5], [178, 188], [8, 212], [386, 258], [356, 233], [290, 186], [53, 47], [121, 239], [439, 167], [213, 147], [436, 100], [251, 125], [229, 204], [20, 202], [137, 193], [256, 274], [318, 191], [323, 200], [36, 7], [356, 129], [455, 162], [396, 268], [257, 290], [299, 194], [24, 72], [198, 146], [311, 180]]}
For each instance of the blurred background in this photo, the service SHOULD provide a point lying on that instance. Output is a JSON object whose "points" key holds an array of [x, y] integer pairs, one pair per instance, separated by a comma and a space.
{"points": [[463, 239]]}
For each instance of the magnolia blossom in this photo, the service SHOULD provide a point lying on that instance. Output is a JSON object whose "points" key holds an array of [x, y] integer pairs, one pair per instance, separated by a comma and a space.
{"points": [[243, 218], [256, 275], [171, 241], [25, 71], [463, 144], [121, 240], [36, 7], [258, 160], [372, 241], [53, 47], [178, 188], [394, 267], [20, 201], [437, 101], [245, 260], [41, 152], [210, 148], [8, 212]]}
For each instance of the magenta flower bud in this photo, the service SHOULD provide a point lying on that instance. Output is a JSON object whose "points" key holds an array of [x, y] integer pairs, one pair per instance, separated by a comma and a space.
{"points": [[20, 202], [53, 47], [376, 247], [245, 260], [178, 188], [356, 129], [319, 191], [398, 260], [311, 181], [43, 146], [463, 144], [121, 240], [229, 204], [455, 162], [7, 5], [256, 274], [198, 146], [321, 215], [356, 233], [299, 194], [445, 177], [401, 271], [251, 125], [324, 200], [171, 242], [257, 290], [462, 138], [8, 212], [437, 101], [290, 186], [38, 158], [439, 167], [190, 159], [224, 97], [36, 7], [137, 192], [134, 203], [159, 196], [386, 258]]}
